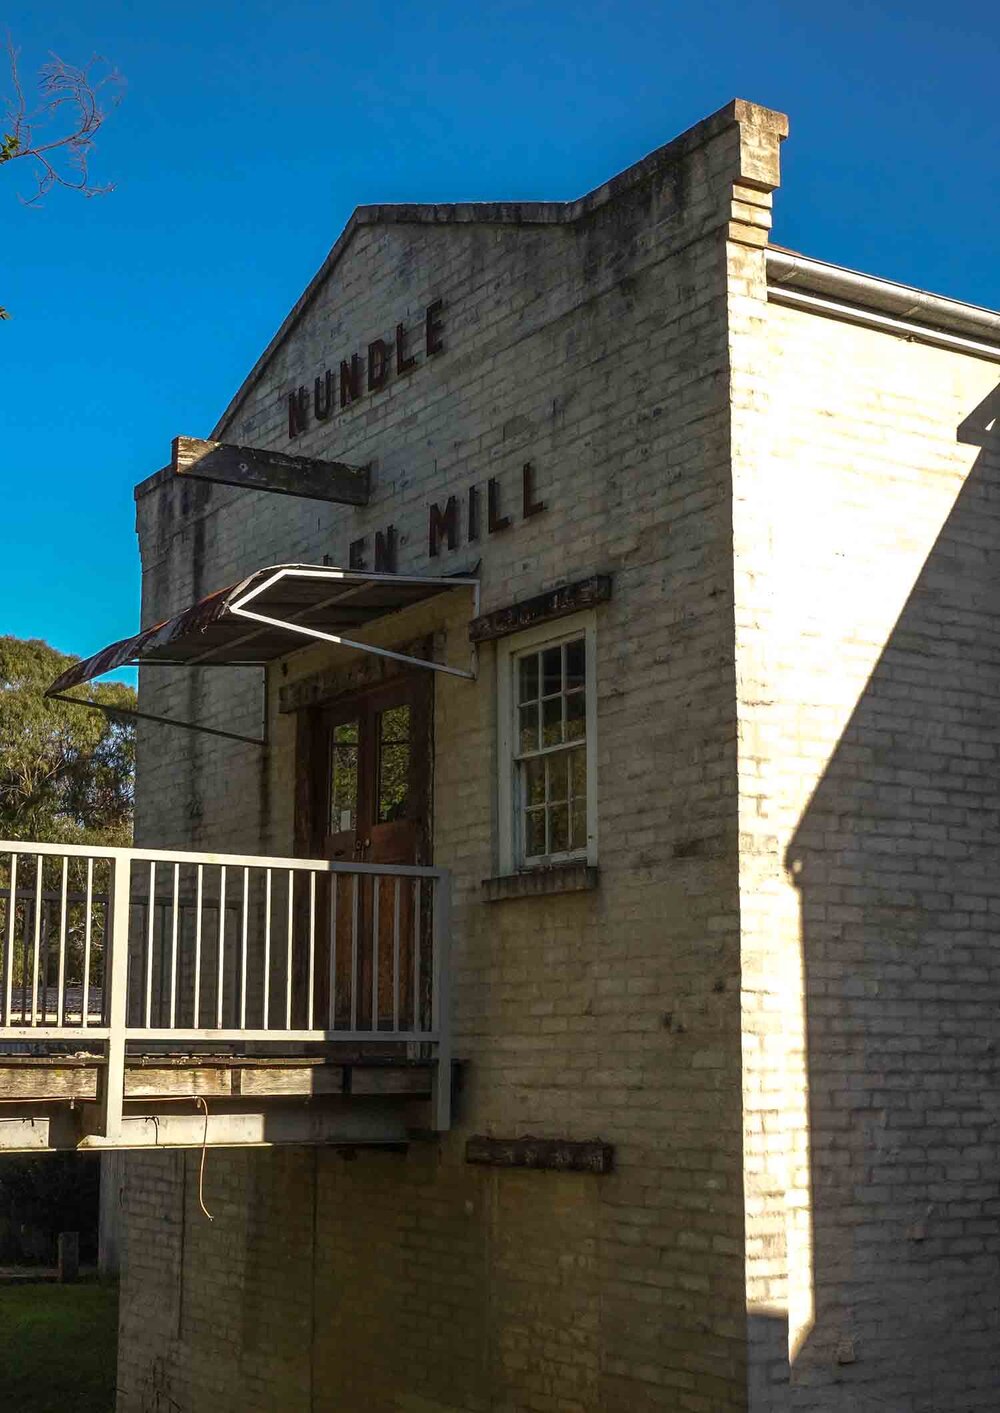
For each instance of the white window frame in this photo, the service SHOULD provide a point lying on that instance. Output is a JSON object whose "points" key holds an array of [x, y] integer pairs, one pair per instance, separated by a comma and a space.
{"points": [[511, 853]]}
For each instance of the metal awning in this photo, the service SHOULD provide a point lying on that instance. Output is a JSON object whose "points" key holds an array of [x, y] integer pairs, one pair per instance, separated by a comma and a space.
{"points": [[269, 614]]}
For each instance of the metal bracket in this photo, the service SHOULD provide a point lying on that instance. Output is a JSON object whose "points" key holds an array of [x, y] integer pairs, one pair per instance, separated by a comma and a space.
{"points": [[113, 712]]}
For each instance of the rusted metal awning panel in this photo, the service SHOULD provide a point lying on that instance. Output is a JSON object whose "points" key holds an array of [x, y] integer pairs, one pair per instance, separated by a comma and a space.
{"points": [[268, 615], [152, 642]]}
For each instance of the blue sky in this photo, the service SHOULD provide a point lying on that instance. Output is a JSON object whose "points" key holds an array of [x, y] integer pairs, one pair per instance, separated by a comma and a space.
{"points": [[250, 131]]}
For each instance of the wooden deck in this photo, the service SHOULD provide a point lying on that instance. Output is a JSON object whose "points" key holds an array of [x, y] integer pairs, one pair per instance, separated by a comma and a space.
{"points": [[52, 1101]]}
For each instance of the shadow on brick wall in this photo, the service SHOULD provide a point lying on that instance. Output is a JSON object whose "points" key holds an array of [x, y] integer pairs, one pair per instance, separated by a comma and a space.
{"points": [[898, 861]]}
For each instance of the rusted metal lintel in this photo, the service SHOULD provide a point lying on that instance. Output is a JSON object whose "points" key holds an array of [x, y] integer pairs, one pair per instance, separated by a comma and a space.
{"points": [[546, 1154], [254, 468], [113, 712], [543, 608]]}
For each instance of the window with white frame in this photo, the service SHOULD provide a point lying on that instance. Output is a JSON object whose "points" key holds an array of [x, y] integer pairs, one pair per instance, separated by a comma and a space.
{"points": [[547, 743]]}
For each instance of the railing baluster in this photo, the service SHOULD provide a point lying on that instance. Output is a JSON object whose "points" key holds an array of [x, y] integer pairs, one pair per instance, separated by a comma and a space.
{"points": [[310, 991], [39, 860], [395, 955], [354, 955], [416, 956], [198, 896], [150, 929], [112, 1084], [175, 922], [334, 892], [288, 950], [25, 954], [243, 949], [61, 980], [8, 967], [440, 1005], [87, 937], [376, 892], [267, 946], [222, 946]]}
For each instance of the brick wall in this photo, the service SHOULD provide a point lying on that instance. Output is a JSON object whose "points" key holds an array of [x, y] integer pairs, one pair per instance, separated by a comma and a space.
{"points": [[596, 344], [866, 543]]}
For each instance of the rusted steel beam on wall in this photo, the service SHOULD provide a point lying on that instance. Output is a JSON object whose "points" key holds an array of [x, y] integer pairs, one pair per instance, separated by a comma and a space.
{"points": [[253, 468], [546, 1154], [557, 603]]}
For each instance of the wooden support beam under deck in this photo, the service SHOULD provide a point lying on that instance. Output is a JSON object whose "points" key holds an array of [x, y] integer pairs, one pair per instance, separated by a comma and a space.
{"points": [[25, 1080], [255, 469], [339, 1122]]}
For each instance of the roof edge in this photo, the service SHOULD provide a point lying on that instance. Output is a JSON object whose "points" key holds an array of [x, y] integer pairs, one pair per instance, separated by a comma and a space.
{"points": [[787, 268]]}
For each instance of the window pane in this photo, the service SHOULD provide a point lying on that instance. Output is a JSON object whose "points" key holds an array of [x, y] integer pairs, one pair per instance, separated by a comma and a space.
{"points": [[534, 781], [576, 716], [534, 833], [576, 659], [394, 724], [551, 671], [552, 722], [558, 829], [528, 678], [558, 775], [529, 727], [578, 824], [578, 773], [344, 777]]}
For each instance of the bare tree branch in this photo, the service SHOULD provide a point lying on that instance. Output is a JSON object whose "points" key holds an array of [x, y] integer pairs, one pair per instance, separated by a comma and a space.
{"points": [[56, 134]]}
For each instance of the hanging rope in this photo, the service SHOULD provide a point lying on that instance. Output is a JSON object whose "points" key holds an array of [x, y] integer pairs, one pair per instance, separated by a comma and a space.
{"points": [[201, 1171]]}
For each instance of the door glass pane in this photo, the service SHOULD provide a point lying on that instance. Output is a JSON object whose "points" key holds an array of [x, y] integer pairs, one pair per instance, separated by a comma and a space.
{"points": [[393, 764], [344, 777], [394, 725]]}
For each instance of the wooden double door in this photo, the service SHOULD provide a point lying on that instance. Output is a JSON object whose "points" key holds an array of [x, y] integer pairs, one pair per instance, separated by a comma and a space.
{"points": [[369, 758]]}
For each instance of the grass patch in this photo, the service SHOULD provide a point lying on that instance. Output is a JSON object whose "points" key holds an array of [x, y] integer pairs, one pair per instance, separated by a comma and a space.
{"points": [[58, 1347]]}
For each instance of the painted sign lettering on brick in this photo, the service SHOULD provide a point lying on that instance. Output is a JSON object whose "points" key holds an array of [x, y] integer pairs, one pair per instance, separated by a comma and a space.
{"points": [[333, 391]]}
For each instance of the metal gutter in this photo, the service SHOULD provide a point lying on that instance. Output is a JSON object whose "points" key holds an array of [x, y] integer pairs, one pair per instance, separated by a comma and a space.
{"points": [[804, 283]]}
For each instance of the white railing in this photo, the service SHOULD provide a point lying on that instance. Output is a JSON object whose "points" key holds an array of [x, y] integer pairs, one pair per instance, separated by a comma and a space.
{"points": [[111, 948]]}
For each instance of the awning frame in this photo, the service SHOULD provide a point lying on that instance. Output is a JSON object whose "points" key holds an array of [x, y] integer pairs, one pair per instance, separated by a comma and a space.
{"points": [[238, 608], [135, 715]]}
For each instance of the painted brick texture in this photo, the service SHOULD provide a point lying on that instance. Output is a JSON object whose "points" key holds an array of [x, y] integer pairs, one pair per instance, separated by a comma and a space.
{"points": [[780, 1004], [600, 350], [865, 535]]}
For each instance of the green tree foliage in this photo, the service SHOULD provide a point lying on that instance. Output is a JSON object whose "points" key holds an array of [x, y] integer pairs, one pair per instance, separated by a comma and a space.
{"points": [[67, 773], [66, 776]]}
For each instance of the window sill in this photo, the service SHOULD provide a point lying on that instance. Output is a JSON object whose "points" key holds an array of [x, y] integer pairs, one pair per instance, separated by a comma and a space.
{"points": [[541, 882]]}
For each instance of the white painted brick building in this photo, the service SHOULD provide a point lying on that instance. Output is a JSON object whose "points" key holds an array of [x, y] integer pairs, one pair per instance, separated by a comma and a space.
{"points": [[756, 954]]}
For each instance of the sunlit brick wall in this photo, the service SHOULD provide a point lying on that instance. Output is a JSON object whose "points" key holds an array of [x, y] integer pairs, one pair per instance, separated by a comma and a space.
{"points": [[867, 552]]}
